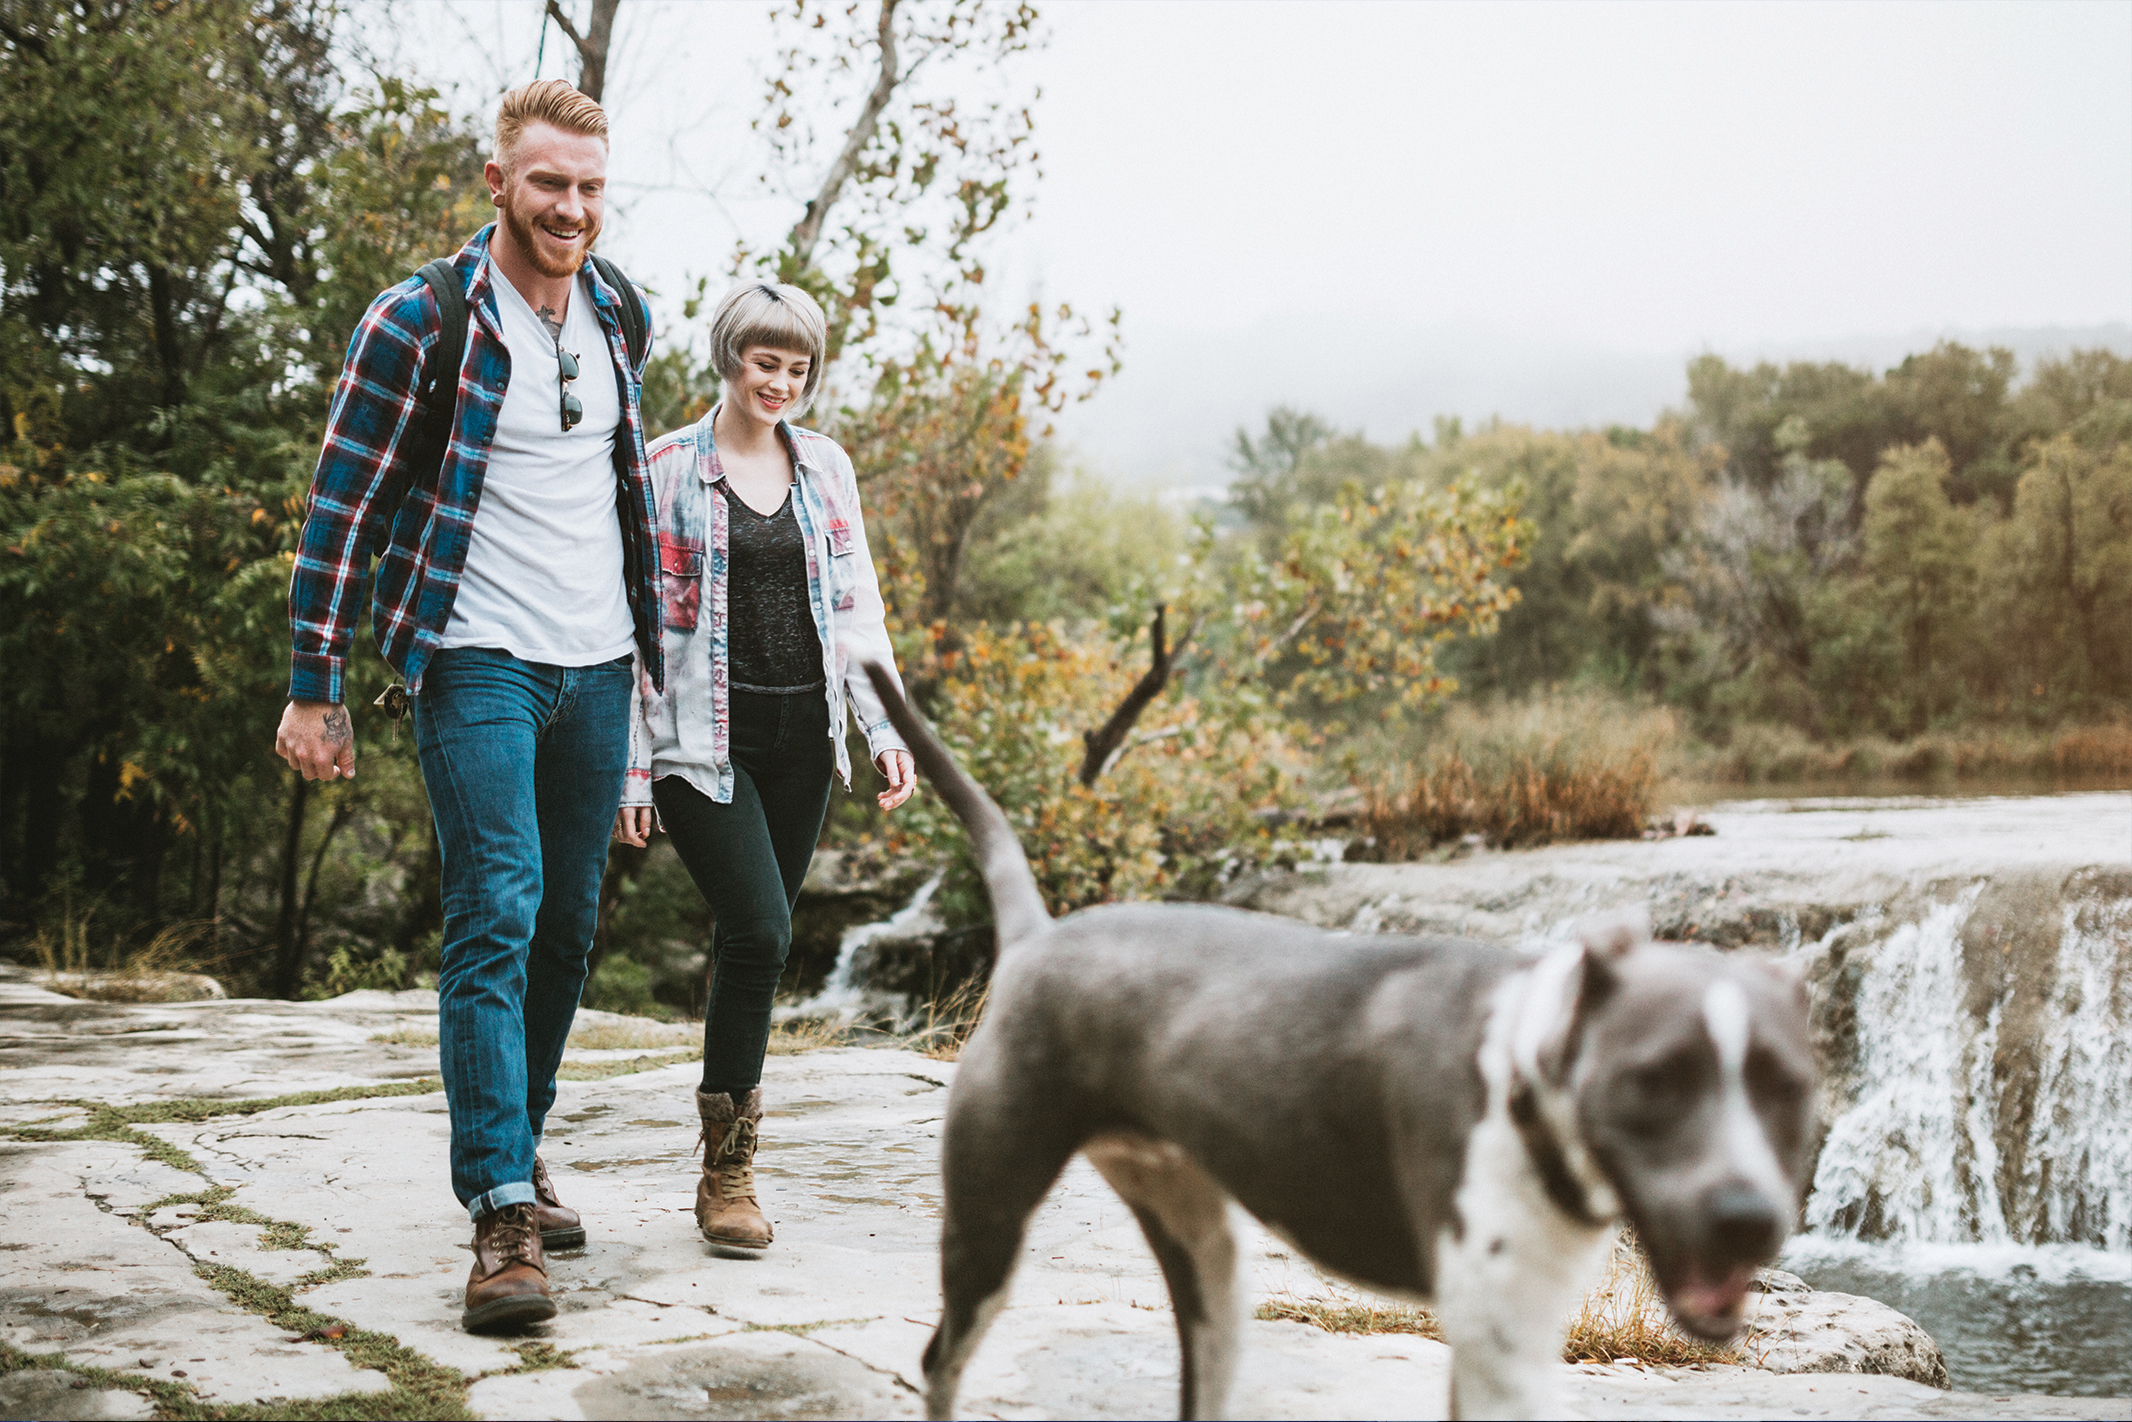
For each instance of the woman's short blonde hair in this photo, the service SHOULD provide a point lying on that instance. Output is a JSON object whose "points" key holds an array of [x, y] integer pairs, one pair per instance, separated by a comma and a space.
{"points": [[773, 314]]}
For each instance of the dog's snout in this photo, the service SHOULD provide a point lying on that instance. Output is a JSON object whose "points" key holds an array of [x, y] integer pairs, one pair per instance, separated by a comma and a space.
{"points": [[1743, 1223]]}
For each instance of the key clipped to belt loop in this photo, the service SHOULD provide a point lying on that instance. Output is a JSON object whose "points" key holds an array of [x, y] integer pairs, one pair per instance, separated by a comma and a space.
{"points": [[394, 702]]}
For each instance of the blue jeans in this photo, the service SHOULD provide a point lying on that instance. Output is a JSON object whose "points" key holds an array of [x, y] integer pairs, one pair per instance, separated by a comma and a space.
{"points": [[524, 766]]}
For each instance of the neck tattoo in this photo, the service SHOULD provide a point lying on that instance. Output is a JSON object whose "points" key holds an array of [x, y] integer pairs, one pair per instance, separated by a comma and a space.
{"points": [[553, 322]]}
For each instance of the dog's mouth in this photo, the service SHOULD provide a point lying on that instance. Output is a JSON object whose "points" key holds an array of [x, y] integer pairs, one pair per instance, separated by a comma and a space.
{"points": [[1709, 1303]]}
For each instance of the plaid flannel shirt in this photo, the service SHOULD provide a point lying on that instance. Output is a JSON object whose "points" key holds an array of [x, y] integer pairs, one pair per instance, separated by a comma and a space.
{"points": [[374, 492]]}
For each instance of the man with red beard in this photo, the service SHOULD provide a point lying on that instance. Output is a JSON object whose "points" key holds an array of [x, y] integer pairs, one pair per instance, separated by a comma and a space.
{"points": [[517, 573]]}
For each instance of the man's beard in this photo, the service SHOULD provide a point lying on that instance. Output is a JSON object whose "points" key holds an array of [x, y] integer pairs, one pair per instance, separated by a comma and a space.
{"points": [[530, 242]]}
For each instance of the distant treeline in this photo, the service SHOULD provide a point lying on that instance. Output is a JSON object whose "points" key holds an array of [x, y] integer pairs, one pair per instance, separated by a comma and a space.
{"points": [[1814, 545]]}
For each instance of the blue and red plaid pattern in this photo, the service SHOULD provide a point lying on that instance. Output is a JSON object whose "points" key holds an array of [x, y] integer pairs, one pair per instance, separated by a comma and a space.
{"points": [[372, 493]]}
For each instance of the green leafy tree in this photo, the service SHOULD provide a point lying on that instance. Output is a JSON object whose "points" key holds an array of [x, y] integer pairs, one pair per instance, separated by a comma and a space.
{"points": [[1920, 563]]}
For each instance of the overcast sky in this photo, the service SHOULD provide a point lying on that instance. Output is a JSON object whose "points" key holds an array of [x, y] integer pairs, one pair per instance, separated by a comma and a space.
{"points": [[1389, 211]]}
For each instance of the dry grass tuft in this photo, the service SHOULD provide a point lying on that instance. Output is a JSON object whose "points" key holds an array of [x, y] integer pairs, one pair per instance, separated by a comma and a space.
{"points": [[2094, 750], [1558, 767], [607, 1032], [1625, 1319], [1759, 754], [1351, 1316], [1622, 1320], [950, 1021], [808, 1034]]}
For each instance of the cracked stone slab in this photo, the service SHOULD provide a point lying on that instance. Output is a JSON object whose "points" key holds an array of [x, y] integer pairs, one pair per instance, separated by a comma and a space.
{"points": [[108, 1293], [653, 1322], [57, 1394]]}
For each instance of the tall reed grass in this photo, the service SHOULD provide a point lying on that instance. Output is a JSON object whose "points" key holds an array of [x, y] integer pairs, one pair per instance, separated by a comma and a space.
{"points": [[1756, 754], [1560, 766]]}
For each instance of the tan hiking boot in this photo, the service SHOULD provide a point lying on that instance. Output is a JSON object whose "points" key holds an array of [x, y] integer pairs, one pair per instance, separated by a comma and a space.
{"points": [[726, 1208], [508, 1285], [560, 1228]]}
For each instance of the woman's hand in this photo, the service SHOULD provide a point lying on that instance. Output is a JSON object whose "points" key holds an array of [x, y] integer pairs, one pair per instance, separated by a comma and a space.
{"points": [[632, 825], [895, 767]]}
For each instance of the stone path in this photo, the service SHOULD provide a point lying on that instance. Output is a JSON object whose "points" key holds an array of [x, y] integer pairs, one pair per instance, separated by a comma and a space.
{"points": [[168, 1249]]}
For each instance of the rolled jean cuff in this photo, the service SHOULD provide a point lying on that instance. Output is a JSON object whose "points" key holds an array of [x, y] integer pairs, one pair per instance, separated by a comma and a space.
{"points": [[517, 1193]]}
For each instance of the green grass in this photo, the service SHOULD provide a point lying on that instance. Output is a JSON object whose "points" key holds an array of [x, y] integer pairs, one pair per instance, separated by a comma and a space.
{"points": [[801, 1330], [600, 1071]]}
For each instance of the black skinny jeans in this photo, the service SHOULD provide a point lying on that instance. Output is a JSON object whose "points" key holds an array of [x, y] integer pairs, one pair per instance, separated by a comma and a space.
{"points": [[749, 858]]}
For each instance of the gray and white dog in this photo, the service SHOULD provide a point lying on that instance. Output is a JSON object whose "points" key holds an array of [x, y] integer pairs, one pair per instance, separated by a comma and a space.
{"points": [[1441, 1120]]}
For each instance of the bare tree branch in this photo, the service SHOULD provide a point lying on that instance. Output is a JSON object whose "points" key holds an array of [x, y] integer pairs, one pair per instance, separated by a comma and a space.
{"points": [[592, 45], [808, 230], [1104, 743]]}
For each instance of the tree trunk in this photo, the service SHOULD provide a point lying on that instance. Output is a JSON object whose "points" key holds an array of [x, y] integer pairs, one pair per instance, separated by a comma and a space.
{"points": [[624, 863], [592, 45], [291, 844], [293, 963], [808, 230]]}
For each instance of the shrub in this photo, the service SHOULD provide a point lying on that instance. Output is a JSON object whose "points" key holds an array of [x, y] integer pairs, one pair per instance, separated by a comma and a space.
{"points": [[1561, 766]]}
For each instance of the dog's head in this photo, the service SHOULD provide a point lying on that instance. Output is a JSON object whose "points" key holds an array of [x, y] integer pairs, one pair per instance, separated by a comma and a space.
{"points": [[1688, 1077]]}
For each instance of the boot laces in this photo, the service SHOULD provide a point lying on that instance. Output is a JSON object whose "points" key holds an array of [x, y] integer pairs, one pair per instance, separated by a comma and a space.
{"points": [[734, 1158], [513, 1234]]}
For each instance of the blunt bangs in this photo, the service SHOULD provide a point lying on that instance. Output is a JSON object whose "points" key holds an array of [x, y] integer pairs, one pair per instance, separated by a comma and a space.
{"points": [[762, 313]]}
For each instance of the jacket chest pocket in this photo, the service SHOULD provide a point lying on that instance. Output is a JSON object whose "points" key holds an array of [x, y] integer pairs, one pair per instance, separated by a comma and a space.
{"points": [[841, 543], [680, 582]]}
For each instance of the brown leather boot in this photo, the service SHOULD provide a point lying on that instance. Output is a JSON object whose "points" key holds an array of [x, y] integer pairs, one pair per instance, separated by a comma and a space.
{"points": [[726, 1208], [560, 1228], [508, 1285]]}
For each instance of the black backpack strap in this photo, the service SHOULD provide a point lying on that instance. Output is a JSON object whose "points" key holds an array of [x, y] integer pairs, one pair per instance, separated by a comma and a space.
{"points": [[636, 335], [440, 392]]}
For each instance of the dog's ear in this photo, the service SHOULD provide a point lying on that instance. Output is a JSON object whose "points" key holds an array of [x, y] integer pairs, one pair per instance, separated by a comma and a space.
{"points": [[1567, 985], [1790, 978], [1616, 935]]}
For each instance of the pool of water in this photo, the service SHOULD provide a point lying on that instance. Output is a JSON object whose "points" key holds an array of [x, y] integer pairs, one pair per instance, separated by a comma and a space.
{"points": [[2009, 1318]]}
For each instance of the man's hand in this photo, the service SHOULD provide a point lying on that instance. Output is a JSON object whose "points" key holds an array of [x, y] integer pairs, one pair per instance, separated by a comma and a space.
{"points": [[317, 740], [902, 777], [632, 825]]}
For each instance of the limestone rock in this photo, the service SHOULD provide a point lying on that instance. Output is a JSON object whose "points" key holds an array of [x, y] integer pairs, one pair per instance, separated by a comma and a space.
{"points": [[1795, 1329]]}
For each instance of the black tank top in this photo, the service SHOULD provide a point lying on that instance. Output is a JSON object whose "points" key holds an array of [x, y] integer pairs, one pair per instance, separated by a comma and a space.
{"points": [[771, 642]]}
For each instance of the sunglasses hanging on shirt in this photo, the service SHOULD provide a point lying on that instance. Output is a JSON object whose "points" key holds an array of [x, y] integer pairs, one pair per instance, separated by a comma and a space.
{"points": [[573, 408]]}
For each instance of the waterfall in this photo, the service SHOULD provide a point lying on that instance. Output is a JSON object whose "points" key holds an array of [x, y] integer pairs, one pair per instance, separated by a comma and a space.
{"points": [[1914, 1156], [1988, 1094], [844, 991]]}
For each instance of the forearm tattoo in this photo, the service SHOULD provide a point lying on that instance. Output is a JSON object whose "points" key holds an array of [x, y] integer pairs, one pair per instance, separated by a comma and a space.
{"points": [[338, 730]]}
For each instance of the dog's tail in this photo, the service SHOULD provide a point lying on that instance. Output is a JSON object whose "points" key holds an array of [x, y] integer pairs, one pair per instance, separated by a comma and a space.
{"points": [[1017, 908]]}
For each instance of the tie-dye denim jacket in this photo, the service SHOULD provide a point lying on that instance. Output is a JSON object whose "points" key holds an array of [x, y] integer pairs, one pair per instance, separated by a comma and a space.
{"points": [[687, 731]]}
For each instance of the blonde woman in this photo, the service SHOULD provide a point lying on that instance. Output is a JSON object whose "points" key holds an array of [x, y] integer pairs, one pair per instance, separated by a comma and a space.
{"points": [[770, 607]]}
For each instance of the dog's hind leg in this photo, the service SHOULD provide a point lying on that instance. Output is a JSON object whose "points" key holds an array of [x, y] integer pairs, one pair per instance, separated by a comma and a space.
{"points": [[995, 1171], [1185, 1215]]}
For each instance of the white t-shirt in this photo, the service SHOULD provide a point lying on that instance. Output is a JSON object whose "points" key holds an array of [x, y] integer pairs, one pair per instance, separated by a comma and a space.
{"points": [[543, 577]]}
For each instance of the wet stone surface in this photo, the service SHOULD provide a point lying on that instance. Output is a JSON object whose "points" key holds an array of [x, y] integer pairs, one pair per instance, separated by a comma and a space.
{"points": [[156, 1258]]}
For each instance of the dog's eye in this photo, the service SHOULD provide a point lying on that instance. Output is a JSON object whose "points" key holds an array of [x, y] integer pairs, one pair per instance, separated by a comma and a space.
{"points": [[1770, 1083], [1661, 1091]]}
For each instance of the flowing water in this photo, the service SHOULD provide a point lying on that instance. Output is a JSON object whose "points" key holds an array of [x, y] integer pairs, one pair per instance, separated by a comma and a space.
{"points": [[846, 992], [1977, 1172]]}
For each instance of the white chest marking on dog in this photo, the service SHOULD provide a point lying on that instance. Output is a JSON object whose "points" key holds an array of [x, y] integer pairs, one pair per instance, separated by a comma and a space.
{"points": [[1508, 1282]]}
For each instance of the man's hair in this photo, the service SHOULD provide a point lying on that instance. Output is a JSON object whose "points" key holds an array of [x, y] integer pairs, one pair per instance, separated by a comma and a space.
{"points": [[767, 313], [551, 101]]}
